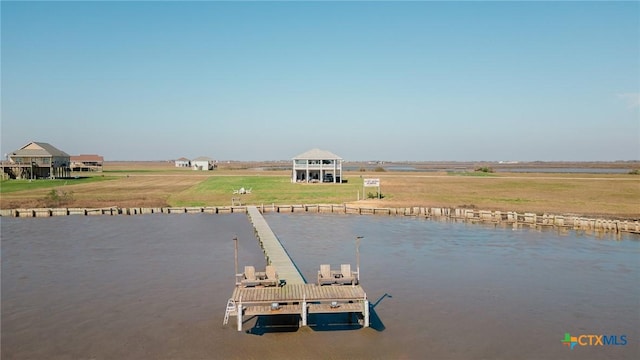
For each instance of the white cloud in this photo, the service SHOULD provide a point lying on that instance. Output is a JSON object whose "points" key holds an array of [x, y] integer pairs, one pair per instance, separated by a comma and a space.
{"points": [[632, 99]]}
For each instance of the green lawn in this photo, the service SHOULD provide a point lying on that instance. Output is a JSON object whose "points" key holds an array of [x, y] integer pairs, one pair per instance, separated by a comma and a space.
{"points": [[8, 186], [265, 190]]}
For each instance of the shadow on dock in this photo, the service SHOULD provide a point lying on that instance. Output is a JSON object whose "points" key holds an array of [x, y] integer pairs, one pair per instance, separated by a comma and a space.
{"points": [[348, 321], [274, 324], [334, 322], [317, 322]]}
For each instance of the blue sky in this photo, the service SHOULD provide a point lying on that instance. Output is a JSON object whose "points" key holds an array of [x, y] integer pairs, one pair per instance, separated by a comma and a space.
{"points": [[451, 81]]}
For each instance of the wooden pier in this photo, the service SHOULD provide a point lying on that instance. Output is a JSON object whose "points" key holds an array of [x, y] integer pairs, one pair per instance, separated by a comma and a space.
{"points": [[301, 299], [275, 254], [293, 296]]}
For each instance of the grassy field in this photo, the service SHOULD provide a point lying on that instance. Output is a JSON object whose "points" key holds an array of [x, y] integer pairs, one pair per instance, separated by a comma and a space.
{"points": [[9, 186], [267, 189], [161, 184]]}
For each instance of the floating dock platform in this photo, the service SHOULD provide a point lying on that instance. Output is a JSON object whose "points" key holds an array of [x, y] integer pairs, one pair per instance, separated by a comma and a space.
{"points": [[297, 299]]}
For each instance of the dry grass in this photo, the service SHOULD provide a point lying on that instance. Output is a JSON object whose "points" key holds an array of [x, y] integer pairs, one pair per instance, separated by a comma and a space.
{"points": [[131, 191], [608, 196], [161, 184]]}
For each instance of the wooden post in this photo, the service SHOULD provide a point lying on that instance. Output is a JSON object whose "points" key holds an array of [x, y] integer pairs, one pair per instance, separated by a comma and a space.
{"points": [[239, 316], [235, 257], [304, 310], [366, 311]]}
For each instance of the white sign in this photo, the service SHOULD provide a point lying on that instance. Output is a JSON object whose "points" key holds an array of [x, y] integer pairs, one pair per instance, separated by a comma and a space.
{"points": [[372, 182]]}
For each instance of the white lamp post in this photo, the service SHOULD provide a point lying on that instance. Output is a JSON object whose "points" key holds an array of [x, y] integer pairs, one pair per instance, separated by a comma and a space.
{"points": [[235, 254], [358, 238]]}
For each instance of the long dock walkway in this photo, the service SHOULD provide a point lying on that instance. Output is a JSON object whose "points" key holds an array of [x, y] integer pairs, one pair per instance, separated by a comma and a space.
{"points": [[275, 254]]}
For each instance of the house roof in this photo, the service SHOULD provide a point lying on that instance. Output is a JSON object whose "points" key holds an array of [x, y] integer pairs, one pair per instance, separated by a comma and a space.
{"points": [[202, 158], [182, 159], [87, 157], [39, 149], [317, 154]]}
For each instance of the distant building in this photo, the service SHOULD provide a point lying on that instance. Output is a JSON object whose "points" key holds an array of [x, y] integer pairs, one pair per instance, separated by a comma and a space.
{"points": [[317, 166], [87, 162], [203, 163], [38, 160], [183, 162]]}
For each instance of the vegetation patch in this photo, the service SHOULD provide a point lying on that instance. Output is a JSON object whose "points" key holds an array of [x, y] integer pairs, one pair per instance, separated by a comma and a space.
{"points": [[511, 200], [467, 173], [58, 197], [467, 206], [376, 195], [484, 169]]}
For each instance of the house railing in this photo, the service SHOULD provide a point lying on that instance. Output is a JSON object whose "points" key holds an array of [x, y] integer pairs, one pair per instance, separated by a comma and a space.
{"points": [[317, 167]]}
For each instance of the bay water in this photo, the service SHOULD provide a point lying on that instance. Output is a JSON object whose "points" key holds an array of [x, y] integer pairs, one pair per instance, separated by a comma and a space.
{"points": [[156, 286]]}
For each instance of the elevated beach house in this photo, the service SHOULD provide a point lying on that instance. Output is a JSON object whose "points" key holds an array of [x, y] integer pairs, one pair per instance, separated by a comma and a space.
{"points": [[317, 166], [38, 160], [87, 162]]}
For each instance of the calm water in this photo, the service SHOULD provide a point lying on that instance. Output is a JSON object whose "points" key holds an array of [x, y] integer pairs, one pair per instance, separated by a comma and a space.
{"points": [[155, 287]]}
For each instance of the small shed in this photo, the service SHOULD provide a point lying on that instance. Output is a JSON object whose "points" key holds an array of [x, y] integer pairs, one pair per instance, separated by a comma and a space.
{"points": [[317, 165], [203, 163]]}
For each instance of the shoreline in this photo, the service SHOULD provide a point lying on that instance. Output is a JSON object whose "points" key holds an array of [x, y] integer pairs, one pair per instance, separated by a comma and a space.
{"points": [[509, 218], [162, 185]]}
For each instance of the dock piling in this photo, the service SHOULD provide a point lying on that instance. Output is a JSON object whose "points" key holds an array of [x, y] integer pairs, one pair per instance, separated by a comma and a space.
{"points": [[366, 311], [239, 314], [304, 310]]}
